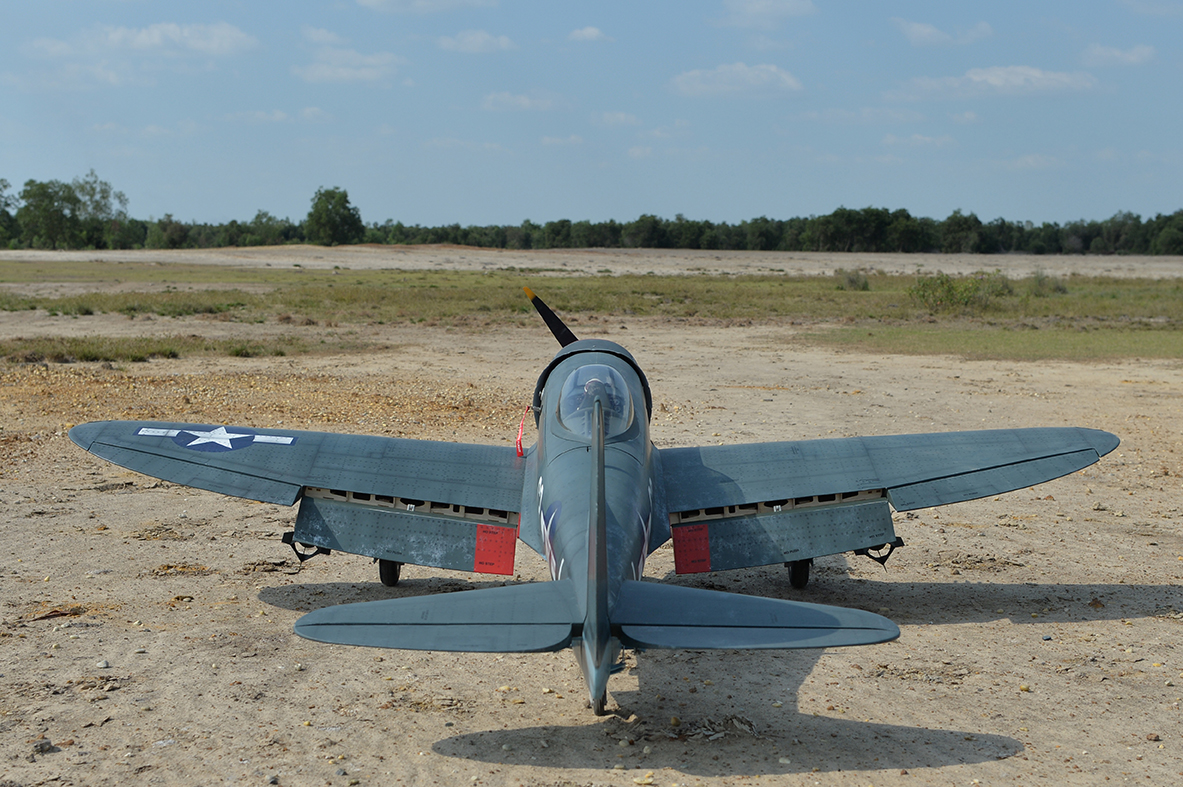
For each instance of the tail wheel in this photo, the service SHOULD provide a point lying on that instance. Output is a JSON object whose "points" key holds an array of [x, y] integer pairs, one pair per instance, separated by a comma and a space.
{"points": [[799, 572], [388, 572], [600, 704]]}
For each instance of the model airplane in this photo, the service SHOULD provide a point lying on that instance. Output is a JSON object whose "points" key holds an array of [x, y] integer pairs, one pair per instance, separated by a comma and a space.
{"points": [[595, 497]]}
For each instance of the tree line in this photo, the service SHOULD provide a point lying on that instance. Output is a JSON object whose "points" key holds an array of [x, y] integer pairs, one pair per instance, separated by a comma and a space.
{"points": [[88, 213]]}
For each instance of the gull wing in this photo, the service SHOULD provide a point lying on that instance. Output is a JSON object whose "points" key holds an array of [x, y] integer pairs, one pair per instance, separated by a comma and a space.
{"points": [[273, 465], [447, 505], [761, 503]]}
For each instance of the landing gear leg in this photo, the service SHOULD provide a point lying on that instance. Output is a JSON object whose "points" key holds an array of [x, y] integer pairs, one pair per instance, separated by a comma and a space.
{"points": [[388, 572], [799, 572]]}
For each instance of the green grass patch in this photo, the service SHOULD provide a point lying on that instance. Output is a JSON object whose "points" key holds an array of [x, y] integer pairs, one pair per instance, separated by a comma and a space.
{"points": [[71, 349], [983, 315], [1008, 342]]}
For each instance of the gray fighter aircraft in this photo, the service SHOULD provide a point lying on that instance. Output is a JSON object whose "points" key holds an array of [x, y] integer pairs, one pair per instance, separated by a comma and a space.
{"points": [[595, 497]]}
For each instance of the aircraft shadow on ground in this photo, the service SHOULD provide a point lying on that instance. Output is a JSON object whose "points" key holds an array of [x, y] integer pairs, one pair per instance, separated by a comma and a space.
{"points": [[906, 603], [309, 596], [809, 743]]}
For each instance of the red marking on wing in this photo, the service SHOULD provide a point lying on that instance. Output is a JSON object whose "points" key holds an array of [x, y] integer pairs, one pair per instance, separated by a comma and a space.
{"points": [[495, 547], [692, 549]]}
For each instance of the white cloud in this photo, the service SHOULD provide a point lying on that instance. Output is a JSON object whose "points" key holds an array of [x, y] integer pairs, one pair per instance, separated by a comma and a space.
{"points": [[619, 119], [315, 115], [509, 101], [1153, 8], [920, 141], [1032, 161], [640, 151], [451, 143], [423, 6], [112, 56], [1004, 80], [764, 14], [587, 34], [734, 78], [1097, 55], [924, 34], [259, 116], [574, 139], [475, 42], [337, 64], [217, 39], [966, 117], [866, 115], [319, 35]]}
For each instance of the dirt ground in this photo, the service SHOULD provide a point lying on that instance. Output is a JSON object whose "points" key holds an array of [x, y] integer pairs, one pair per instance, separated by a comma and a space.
{"points": [[146, 628]]}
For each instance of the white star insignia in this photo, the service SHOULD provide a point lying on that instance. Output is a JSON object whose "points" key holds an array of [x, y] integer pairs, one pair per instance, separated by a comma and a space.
{"points": [[219, 436]]}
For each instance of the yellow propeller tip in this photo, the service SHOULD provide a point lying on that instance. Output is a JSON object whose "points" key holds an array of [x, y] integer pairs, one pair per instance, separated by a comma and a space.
{"points": [[529, 293]]}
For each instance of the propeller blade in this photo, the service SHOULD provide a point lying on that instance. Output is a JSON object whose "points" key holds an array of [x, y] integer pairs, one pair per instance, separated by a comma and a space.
{"points": [[560, 330]]}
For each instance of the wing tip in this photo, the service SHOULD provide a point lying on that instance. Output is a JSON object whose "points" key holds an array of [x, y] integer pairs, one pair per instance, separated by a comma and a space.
{"points": [[1101, 441]]}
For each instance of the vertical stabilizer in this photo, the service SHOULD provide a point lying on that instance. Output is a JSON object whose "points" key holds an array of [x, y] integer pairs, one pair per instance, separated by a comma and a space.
{"points": [[597, 654]]}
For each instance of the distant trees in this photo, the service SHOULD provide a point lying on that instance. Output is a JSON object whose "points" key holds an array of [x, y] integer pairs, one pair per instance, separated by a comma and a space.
{"points": [[89, 213], [333, 220]]}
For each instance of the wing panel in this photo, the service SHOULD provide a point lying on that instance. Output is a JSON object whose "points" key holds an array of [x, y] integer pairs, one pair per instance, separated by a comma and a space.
{"points": [[269, 460], [711, 476]]}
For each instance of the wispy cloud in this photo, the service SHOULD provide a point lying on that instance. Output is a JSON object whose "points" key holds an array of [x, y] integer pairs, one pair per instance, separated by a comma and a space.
{"points": [[113, 56], [736, 78], [619, 119], [1097, 55], [259, 116], [1032, 161], [509, 101], [318, 35], [574, 139], [965, 118], [924, 34], [764, 14], [423, 6], [920, 141], [338, 64], [587, 34], [475, 42], [451, 143], [872, 116], [1151, 8], [640, 151], [1001, 80]]}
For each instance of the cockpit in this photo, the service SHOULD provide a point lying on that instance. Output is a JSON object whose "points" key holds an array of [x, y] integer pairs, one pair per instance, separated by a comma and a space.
{"points": [[582, 388]]}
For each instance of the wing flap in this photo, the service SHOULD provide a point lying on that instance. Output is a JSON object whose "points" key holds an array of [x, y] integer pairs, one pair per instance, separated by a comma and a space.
{"points": [[515, 619], [792, 534], [651, 615]]}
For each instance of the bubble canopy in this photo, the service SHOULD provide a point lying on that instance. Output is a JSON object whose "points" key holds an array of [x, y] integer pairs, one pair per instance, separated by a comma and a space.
{"points": [[581, 390]]}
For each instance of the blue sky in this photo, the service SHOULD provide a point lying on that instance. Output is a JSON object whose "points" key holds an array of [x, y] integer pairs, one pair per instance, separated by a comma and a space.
{"points": [[495, 111]]}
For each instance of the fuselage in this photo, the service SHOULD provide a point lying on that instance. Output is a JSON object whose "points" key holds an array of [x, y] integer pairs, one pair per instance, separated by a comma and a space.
{"points": [[584, 374]]}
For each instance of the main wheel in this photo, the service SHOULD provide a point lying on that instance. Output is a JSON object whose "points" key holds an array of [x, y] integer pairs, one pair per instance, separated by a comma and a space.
{"points": [[799, 573], [388, 572]]}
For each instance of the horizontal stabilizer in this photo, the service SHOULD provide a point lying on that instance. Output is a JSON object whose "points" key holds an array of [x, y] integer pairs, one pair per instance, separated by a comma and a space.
{"points": [[651, 615], [514, 619]]}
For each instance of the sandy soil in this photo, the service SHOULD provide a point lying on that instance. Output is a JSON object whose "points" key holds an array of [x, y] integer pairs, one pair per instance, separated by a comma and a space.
{"points": [[659, 261], [146, 629]]}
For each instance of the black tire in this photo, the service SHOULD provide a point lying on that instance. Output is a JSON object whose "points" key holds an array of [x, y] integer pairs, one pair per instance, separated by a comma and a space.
{"points": [[799, 573], [599, 707], [388, 572]]}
